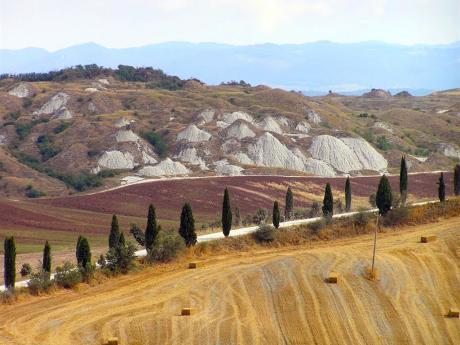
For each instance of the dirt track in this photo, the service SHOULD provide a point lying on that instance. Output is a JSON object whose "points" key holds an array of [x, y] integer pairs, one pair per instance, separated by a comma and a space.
{"points": [[276, 297]]}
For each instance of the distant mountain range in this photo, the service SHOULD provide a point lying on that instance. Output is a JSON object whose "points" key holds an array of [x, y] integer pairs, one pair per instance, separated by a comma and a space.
{"points": [[313, 68]]}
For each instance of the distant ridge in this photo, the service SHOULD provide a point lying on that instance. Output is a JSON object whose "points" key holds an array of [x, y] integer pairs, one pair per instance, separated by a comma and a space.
{"points": [[311, 67]]}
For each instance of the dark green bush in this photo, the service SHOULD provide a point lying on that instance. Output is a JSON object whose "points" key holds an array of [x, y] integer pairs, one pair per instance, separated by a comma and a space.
{"points": [[67, 275], [318, 225], [26, 269], [396, 216], [265, 233], [167, 246], [157, 141], [31, 192], [39, 282], [61, 127]]}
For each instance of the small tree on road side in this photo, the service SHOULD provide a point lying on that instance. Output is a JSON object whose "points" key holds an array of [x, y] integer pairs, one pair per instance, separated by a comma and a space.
{"points": [[276, 215], [114, 236], [289, 204], [46, 265], [457, 179], [384, 197], [151, 230], [226, 214], [9, 262], [403, 181], [441, 188], [347, 195], [83, 252], [328, 202], [187, 225]]}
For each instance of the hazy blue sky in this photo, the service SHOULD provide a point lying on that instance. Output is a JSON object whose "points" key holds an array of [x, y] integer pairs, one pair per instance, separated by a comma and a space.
{"points": [[54, 24]]}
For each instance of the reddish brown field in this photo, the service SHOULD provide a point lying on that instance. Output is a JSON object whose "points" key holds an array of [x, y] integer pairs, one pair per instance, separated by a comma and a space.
{"points": [[63, 219]]}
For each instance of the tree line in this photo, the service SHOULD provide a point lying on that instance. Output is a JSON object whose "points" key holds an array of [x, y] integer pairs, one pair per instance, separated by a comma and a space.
{"points": [[162, 245]]}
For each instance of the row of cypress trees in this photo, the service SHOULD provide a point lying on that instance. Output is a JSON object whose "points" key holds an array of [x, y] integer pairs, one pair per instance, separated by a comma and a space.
{"points": [[384, 200]]}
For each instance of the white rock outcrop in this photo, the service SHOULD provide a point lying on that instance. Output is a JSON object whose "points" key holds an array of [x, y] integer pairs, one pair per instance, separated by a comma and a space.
{"points": [[116, 160], [269, 124], [334, 152], [303, 127], [282, 120], [383, 125], [243, 158], [91, 89], [222, 167], [319, 168], [126, 136], [239, 130], [206, 116], [54, 104], [121, 122], [130, 179], [148, 159], [190, 155], [449, 150], [270, 152], [166, 167], [237, 115], [63, 114], [314, 117], [222, 124], [103, 81], [21, 90], [369, 157], [193, 134]]}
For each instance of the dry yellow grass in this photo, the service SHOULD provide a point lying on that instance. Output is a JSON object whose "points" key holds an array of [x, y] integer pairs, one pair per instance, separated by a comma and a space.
{"points": [[267, 296]]}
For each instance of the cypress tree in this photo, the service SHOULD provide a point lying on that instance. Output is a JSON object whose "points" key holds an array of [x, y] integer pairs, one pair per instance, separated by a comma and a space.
{"points": [[457, 180], [9, 262], [276, 215], [83, 252], [121, 240], [384, 197], [328, 202], [47, 258], [441, 189], [226, 214], [289, 204], [77, 248], [114, 236], [187, 225], [347, 195], [403, 180], [151, 230]]}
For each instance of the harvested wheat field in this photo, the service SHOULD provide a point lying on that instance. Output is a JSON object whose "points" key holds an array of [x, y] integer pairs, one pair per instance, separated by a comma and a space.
{"points": [[278, 296]]}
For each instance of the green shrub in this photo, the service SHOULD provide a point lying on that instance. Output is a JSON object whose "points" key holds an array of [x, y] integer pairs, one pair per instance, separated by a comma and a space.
{"points": [[318, 225], [383, 144], [265, 233], [396, 216], [362, 218], [26, 269], [31, 192], [157, 141], [120, 259], [39, 282], [46, 147], [61, 127], [67, 276], [166, 247], [138, 234]]}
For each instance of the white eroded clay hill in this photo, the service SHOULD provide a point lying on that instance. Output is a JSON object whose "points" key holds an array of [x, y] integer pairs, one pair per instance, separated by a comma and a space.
{"points": [[132, 129]]}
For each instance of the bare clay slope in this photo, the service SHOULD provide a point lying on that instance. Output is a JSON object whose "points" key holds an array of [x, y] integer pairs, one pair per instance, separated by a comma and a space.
{"points": [[267, 298]]}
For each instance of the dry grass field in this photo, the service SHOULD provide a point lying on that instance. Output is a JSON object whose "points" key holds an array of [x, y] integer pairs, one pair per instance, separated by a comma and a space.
{"points": [[275, 296]]}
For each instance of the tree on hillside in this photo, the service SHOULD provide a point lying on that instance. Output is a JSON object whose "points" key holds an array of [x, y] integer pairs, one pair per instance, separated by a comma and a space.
{"points": [[83, 252], [77, 247], [384, 196], [328, 202], [151, 230], [9, 262], [46, 265], [403, 181], [347, 195], [289, 204], [121, 239], [457, 180], [276, 215], [187, 225], [226, 214], [114, 236], [441, 188]]}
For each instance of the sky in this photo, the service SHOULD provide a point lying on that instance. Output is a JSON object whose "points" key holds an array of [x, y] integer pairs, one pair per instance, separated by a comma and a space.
{"points": [[56, 24]]}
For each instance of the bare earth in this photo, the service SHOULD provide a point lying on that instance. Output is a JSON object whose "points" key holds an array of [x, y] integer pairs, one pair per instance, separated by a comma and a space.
{"points": [[266, 297]]}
